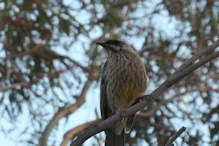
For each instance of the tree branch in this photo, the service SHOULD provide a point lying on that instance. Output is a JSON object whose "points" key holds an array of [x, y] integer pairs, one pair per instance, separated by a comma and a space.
{"points": [[63, 112], [75, 131], [37, 47], [16, 85], [198, 55], [181, 73], [174, 137], [174, 78], [163, 102], [56, 55]]}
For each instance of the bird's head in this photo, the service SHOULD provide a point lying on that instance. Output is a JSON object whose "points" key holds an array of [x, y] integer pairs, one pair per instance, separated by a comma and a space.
{"points": [[115, 46]]}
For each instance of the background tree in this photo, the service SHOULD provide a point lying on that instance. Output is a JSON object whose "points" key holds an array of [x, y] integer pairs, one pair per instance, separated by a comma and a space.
{"points": [[49, 63]]}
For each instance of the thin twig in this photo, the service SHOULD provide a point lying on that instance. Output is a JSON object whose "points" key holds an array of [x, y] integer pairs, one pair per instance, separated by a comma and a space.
{"points": [[17, 85], [75, 131], [174, 137], [37, 47]]}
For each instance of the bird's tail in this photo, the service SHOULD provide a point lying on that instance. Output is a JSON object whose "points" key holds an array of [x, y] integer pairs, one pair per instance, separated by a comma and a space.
{"points": [[115, 140], [129, 123], [120, 126]]}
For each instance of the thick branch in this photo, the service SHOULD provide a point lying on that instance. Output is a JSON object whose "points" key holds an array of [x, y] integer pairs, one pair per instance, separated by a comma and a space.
{"points": [[198, 55], [173, 79], [163, 102], [139, 106]]}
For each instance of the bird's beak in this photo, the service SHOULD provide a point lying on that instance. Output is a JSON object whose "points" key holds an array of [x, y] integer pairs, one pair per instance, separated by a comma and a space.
{"points": [[107, 46], [101, 44]]}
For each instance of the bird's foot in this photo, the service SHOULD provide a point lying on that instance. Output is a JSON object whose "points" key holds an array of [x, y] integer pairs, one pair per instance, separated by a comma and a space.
{"points": [[149, 98]]}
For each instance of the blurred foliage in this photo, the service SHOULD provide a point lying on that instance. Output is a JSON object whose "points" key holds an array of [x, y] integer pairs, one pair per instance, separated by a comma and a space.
{"points": [[40, 71]]}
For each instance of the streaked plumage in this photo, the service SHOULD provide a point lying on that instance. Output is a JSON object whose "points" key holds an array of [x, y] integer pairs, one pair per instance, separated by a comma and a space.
{"points": [[123, 80]]}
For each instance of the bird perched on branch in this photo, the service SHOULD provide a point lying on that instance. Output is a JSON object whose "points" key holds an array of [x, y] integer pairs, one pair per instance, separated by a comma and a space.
{"points": [[124, 79]]}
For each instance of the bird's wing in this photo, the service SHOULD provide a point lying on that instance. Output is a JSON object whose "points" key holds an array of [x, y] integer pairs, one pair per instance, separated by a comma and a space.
{"points": [[104, 107], [111, 138]]}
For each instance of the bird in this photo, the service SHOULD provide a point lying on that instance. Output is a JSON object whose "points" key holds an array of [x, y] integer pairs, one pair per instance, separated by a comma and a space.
{"points": [[123, 80]]}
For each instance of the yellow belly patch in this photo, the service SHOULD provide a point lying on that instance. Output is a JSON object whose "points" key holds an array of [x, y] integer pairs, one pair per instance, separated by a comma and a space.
{"points": [[128, 97]]}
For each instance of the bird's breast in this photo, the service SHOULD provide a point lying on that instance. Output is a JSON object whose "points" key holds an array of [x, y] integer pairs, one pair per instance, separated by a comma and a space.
{"points": [[126, 80]]}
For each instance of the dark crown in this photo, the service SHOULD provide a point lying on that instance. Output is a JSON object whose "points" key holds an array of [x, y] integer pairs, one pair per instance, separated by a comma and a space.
{"points": [[116, 42]]}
